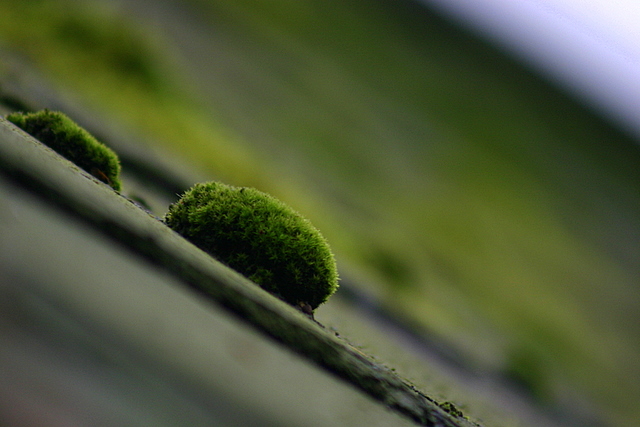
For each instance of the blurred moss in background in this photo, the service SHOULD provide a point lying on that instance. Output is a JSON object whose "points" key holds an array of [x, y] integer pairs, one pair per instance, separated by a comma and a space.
{"points": [[458, 187]]}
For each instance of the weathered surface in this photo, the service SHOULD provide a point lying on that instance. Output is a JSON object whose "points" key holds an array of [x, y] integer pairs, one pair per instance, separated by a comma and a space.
{"points": [[162, 311]]}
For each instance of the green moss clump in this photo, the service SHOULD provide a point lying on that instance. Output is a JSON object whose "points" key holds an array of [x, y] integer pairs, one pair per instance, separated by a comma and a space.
{"points": [[451, 409], [260, 237], [63, 135]]}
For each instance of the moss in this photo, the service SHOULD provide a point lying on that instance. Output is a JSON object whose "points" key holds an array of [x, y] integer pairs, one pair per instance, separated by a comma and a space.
{"points": [[451, 409], [260, 237], [63, 135]]}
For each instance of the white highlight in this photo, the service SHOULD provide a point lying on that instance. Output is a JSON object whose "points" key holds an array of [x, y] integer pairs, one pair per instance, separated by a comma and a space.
{"points": [[590, 46]]}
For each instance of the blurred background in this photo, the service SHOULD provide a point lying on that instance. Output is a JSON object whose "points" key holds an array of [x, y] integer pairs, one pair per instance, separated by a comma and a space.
{"points": [[475, 168]]}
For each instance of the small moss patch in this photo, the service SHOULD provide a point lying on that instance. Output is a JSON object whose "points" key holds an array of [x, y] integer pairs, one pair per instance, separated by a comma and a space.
{"points": [[260, 237], [451, 409], [63, 135]]}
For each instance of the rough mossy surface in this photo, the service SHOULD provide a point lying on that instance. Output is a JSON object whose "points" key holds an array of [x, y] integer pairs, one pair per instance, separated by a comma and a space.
{"points": [[31, 167], [451, 409], [63, 135], [260, 237]]}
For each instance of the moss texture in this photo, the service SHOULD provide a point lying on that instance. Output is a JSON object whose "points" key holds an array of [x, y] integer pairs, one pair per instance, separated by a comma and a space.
{"points": [[260, 237], [63, 135]]}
